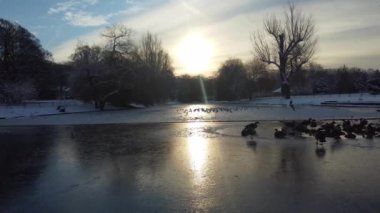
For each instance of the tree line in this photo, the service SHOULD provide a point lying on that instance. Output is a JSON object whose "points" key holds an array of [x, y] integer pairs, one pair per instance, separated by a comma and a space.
{"points": [[236, 80], [124, 71]]}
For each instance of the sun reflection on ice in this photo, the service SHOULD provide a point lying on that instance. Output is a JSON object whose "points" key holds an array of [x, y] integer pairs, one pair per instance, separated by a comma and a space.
{"points": [[197, 146]]}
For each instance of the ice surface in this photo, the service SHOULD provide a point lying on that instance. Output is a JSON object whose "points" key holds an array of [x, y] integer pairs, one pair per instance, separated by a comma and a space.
{"points": [[183, 167]]}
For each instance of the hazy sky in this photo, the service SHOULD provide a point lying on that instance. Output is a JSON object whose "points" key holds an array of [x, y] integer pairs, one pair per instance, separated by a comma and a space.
{"points": [[348, 30]]}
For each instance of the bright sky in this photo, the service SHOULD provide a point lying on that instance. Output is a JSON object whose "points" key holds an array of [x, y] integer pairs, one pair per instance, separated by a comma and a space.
{"points": [[198, 34]]}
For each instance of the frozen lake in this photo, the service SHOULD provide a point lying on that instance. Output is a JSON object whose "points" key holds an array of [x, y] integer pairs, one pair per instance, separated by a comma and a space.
{"points": [[184, 167]]}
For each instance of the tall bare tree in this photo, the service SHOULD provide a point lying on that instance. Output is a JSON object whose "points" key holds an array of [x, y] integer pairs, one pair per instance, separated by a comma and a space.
{"points": [[289, 43], [155, 69], [152, 54], [118, 38]]}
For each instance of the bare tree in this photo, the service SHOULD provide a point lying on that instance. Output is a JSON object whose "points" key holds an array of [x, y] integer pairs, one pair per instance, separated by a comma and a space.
{"points": [[255, 69], [87, 63], [155, 70], [290, 43], [152, 54], [119, 38]]}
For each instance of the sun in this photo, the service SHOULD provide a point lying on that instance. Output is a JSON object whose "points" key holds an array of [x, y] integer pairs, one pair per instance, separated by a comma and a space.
{"points": [[195, 53]]}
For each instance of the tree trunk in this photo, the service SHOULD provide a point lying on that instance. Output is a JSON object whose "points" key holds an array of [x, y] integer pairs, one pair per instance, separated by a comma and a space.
{"points": [[96, 104], [102, 105], [285, 88]]}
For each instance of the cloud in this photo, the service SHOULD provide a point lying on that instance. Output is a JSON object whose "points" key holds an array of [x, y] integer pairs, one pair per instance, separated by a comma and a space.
{"points": [[84, 19], [71, 5], [74, 14], [129, 11], [62, 7], [90, 2]]}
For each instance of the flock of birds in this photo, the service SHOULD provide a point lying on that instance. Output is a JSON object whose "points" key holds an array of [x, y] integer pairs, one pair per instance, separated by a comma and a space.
{"points": [[336, 130], [187, 111]]}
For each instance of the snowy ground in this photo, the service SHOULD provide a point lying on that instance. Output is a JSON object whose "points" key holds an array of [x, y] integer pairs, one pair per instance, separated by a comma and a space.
{"points": [[271, 108], [37, 108]]}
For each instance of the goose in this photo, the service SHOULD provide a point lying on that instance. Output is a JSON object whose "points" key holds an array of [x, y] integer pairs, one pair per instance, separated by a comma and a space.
{"points": [[279, 133], [350, 135], [249, 130], [370, 131], [252, 125], [336, 132], [347, 126], [302, 127], [320, 136], [313, 123], [363, 122]]}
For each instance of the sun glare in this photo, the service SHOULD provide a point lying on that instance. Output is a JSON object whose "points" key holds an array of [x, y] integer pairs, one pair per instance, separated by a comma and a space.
{"points": [[195, 53]]}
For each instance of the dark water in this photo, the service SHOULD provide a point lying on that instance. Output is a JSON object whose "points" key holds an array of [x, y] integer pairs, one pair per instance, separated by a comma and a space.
{"points": [[182, 167]]}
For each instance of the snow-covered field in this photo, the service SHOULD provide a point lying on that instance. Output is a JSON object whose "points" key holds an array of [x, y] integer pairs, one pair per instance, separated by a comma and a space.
{"points": [[271, 108]]}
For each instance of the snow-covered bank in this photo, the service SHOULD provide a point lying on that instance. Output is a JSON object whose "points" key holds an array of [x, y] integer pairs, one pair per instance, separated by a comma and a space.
{"points": [[271, 108], [319, 99], [46, 107]]}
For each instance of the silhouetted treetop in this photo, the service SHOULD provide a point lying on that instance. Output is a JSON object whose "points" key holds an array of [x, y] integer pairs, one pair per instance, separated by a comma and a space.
{"points": [[21, 54]]}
